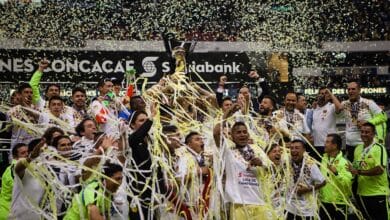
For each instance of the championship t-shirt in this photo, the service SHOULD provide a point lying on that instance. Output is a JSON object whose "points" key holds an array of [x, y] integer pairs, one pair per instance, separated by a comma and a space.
{"points": [[367, 158], [243, 185], [324, 123], [306, 204], [26, 196], [363, 110]]}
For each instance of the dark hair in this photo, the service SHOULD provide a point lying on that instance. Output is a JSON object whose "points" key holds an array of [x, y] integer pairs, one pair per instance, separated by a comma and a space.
{"points": [[238, 123], [58, 138], [271, 147], [103, 81], [273, 102], [189, 136], [226, 98], [132, 101], [336, 139], [291, 92], [80, 127], [354, 81], [16, 148], [368, 124], [48, 135], [242, 85], [169, 129], [116, 81], [56, 97], [110, 169], [78, 89], [14, 93], [299, 141], [51, 85], [23, 86], [322, 88], [285, 140], [300, 95], [32, 144], [135, 115]]}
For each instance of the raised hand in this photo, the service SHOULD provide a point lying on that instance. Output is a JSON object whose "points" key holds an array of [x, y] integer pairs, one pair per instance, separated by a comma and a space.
{"points": [[37, 149], [253, 74], [43, 64]]}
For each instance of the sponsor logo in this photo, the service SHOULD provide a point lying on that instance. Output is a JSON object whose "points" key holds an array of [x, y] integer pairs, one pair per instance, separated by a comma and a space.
{"points": [[149, 66], [206, 67]]}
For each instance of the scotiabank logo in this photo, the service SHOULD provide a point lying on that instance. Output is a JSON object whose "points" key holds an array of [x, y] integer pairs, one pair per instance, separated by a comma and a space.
{"points": [[149, 66], [206, 67]]}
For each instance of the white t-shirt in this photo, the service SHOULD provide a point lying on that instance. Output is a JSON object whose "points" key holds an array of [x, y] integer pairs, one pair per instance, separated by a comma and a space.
{"points": [[295, 122], [306, 204], [364, 110], [26, 197], [242, 185], [64, 121], [83, 147], [187, 166], [120, 202], [324, 123], [17, 115]]}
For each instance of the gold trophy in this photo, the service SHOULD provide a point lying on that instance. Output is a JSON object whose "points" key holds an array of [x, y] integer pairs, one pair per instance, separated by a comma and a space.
{"points": [[178, 50], [279, 62], [179, 53]]}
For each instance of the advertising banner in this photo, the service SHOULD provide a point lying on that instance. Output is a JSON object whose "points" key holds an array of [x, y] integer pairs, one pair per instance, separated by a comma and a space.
{"points": [[91, 66]]}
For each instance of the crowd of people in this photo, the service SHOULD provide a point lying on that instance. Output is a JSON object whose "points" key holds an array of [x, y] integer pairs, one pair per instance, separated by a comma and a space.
{"points": [[69, 23], [180, 151]]}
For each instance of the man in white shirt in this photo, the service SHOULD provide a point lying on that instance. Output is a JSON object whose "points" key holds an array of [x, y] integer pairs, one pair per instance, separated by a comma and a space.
{"points": [[264, 121], [357, 111], [86, 130], [324, 119], [105, 108], [242, 187], [56, 116], [192, 175], [79, 107], [19, 151], [29, 188], [23, 113], [302, 187], [290, 120], [227, 103]]}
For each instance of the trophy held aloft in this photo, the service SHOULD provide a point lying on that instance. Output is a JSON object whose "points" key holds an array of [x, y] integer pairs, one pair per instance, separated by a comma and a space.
{"points": [[179, 54], [178, 51]]}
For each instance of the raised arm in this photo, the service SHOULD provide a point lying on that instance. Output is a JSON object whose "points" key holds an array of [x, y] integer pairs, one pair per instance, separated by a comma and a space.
{"points": [[139, 135], [22, 164], [36, 79], [260, 83], [335, 101]]}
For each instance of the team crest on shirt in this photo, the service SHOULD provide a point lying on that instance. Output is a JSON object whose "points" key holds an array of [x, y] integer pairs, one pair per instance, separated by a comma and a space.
{"points": [[279, 115]]}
